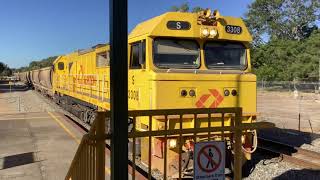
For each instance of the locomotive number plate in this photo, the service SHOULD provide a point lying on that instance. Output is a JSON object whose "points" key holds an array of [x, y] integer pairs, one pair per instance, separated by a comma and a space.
{"points": [[233, 29], [178, 25]]}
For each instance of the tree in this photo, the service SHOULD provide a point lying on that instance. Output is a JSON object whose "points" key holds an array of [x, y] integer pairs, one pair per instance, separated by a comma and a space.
{"points": [[38, 64], [197, 9], [282, 19], [5, 70], [2, 66], [286, 60], [182, 8], [186, 8]]}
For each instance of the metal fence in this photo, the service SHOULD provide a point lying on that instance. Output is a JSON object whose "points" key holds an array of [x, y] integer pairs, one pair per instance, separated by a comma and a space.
{"points": [[309, 87], [88, 161]]}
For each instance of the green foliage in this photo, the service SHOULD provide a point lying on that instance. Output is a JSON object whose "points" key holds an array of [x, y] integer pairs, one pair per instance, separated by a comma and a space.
{"points": [[2, 66], [282, 19], [286, 60], [5, 70], [286, 39], [182, 8], [38, 64], [186, 8], [197, 9]]}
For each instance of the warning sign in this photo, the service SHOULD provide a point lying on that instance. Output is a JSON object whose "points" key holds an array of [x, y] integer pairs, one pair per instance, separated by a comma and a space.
{"points": [[209, 160]]}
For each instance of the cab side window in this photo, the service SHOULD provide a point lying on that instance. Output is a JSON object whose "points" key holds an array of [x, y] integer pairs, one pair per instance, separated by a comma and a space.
{"points": [[61, 66], [138, 55], [103, 59]]}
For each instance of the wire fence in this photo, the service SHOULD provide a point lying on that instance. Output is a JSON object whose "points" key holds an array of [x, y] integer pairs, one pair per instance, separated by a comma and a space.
{"points": [[308, 87], [290, 104]]}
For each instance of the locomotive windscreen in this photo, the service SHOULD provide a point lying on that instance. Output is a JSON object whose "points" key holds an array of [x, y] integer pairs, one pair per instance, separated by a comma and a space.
{"points": [[225, 55], [176, 53]]}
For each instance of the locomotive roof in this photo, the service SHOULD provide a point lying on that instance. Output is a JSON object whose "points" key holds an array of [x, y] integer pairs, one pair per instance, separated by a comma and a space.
{"points": [[157, 26]]}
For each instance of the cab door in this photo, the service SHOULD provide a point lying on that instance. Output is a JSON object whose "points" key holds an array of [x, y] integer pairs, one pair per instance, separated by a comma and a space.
{"points": [[61, 75], [137, 74]]}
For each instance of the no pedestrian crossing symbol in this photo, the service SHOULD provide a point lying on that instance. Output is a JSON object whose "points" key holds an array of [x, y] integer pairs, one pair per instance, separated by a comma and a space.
{"points": [[209, 160]]}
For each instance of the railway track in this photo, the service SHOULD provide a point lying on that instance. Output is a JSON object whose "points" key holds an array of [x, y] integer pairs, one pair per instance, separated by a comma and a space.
{"points": [[295, 155]]}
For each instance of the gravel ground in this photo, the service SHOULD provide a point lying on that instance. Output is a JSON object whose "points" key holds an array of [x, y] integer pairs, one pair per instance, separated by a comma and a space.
{"points": [[32, 102], [314, 146], [268, 167], [29, 101]]}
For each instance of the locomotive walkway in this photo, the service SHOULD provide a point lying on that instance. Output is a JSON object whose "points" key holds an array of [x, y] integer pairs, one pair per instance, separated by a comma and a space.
{"points": [[37, 146]]}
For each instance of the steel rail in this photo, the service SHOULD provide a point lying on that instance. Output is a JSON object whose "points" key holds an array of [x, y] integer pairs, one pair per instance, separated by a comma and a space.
{"points": [[292, 154]]}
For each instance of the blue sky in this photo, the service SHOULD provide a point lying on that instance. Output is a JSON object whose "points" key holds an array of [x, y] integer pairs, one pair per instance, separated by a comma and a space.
{"points": [[36, 29]]}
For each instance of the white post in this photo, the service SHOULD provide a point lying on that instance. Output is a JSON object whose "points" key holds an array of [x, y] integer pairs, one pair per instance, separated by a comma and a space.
{"points": [[103, 79]]}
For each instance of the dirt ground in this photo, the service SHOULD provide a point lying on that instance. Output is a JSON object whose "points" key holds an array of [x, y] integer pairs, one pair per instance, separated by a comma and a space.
{"points": [[283, 109]]}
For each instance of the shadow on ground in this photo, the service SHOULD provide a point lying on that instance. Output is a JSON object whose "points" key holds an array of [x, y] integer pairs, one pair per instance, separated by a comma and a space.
{"points": [[17, 160], [4, 88], [299, 174], [289, 136]]}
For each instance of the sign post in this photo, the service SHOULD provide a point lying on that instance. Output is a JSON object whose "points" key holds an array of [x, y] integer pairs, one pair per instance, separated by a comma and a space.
{"points": [[209, 160]]}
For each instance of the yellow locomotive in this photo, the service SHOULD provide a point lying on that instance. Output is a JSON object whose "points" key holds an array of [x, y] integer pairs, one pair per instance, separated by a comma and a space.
{"points": [[176, 60]]}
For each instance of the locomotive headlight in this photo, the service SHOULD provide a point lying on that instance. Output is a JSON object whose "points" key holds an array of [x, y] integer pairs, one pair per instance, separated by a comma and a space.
{"points": [[172, 143], [213, 32], [205, 32], [234, 92], [243, 139], [226, 92], [192, 93], [183, 93]]}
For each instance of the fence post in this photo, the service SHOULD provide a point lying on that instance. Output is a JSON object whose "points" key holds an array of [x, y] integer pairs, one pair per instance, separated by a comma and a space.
{"points": [[238, 144], [19, 104], [100, 145]]}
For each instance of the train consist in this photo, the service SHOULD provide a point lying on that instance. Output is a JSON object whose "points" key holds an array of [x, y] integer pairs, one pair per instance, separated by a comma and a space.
{"points": [[40, 79], [176, 60]]}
